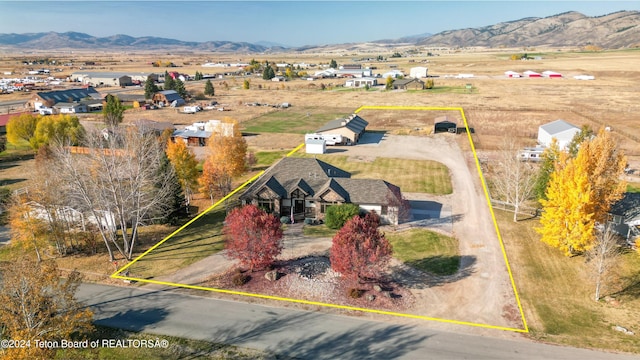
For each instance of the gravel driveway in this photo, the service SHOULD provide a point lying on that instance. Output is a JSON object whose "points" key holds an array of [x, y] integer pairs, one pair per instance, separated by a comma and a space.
{"points": [[481, 292]]}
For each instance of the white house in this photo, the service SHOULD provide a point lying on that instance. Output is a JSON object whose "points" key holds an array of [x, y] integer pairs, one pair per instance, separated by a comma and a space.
{"points": [[418, 72], [561, 130], [361, 82]]}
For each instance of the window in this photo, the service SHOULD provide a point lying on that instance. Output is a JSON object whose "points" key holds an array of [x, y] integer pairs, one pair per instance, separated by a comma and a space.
{"points": [[325, 206], [266, 205]]}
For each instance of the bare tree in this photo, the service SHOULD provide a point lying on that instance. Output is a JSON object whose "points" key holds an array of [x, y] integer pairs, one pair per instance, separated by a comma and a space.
{"points": [[513, 178], [118, 182], [602, 258]]}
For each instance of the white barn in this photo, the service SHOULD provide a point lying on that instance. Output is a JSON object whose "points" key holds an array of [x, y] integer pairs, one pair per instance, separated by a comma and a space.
{"points": [[418, 72], [561, 130]]}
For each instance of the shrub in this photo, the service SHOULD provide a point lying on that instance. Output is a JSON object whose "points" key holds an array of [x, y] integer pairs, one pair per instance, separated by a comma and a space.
{"points": [[285, 219], [239, 278], [337, 215], [355, 293]]}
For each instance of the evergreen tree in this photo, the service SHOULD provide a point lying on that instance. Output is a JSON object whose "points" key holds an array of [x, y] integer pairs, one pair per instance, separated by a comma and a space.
{"points": [[268, 72], [113, 111], [150, 88], [209, 89], [169, 82], [180, 89], [176, 199], [333, 64]]}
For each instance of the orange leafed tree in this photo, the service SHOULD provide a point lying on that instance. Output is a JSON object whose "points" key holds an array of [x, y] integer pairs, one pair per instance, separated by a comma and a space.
{"points": [[226, 159], [184, 163]]}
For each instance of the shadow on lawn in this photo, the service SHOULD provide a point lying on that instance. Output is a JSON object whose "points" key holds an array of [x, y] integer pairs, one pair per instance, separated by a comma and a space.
{"points": [[410, 276]]}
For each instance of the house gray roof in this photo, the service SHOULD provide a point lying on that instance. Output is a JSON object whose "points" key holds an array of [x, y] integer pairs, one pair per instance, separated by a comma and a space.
{"points": [[354, 123], [66, 95], [557, 127], [402, 82], [191, 133], [628, 207], [172, 95], [314, 177]]}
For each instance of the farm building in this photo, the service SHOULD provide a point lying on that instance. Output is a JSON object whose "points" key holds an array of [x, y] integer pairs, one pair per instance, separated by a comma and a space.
{"points": [[71, 108], [151, 126], [531, 74], [167, 98], [315, 146], [408, 84], [418, 72], [351, 128], [304, 188], [192, 137], [361, 82], [561, 130], [512, 74], [111, 78], [444, 124], [625, 216], [49, 98], [394, 74], [551, 74]]}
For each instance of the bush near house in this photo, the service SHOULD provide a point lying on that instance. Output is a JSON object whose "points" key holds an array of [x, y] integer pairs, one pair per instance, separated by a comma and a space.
{"points": [[338, 215]]}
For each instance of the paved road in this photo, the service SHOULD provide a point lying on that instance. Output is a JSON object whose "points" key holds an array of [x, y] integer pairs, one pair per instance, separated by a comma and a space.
{"points": [[300, 334]]}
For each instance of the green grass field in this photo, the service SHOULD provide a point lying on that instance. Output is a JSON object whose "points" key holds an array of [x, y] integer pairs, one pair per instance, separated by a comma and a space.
{"points": [[294, 120], [426, 250], [421, 176], [633, 187]]}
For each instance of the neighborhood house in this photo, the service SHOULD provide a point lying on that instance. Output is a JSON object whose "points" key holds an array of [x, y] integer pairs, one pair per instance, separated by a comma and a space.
{"points": [[303, 188]]}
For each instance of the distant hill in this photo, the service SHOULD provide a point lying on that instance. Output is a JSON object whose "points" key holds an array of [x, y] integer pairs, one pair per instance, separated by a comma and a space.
{"points": [[612, 31], [75, 40]]}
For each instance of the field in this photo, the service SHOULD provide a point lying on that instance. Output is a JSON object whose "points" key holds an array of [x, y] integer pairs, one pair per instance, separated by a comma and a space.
{"points": [[555, 291]]}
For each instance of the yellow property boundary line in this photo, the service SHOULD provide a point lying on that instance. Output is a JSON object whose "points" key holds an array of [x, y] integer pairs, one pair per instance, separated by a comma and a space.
{"points": [[525, 329]]}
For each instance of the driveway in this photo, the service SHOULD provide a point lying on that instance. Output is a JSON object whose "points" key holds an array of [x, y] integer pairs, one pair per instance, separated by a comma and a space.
{"points": [[482, 292]]}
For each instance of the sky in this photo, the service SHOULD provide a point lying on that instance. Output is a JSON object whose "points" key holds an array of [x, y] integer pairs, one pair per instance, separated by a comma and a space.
{"points": [[291, 23]]}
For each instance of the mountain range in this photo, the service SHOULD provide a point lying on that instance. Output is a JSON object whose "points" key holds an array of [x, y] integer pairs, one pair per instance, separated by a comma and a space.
{"points": [[612, 31]]}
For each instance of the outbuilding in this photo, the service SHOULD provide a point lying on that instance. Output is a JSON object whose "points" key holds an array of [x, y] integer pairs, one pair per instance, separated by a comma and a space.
{"points": [[351, 128], [444, 124], [531, 74], [167, 98], [315, 146], [561, 130], [512, 74], [418, 72]]}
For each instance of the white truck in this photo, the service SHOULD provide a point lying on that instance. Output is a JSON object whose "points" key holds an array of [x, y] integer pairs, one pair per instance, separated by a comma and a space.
{"points": [[191, 109]]}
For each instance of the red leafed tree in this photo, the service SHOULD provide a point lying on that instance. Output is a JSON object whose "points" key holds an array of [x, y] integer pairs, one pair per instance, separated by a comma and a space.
{"points": [[253, 236], [359, 250]]}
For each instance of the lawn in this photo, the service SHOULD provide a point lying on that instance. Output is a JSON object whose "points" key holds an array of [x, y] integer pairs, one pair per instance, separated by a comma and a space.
{"points": [[265, 159], [426, 250], [198, 240], [633, 187], [318, 231], [557, 294], [421, 176], [295, 120]]}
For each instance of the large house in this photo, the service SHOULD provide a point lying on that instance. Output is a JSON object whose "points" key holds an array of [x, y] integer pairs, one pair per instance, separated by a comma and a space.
{"points": [[561, 130], [351, 128], [408, 84], [303, 188]]}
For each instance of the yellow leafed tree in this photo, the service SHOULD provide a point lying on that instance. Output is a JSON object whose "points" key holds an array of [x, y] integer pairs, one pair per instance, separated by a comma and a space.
{"points": [[226, 159], [605, 165], [185, 165], [567, 221]]}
